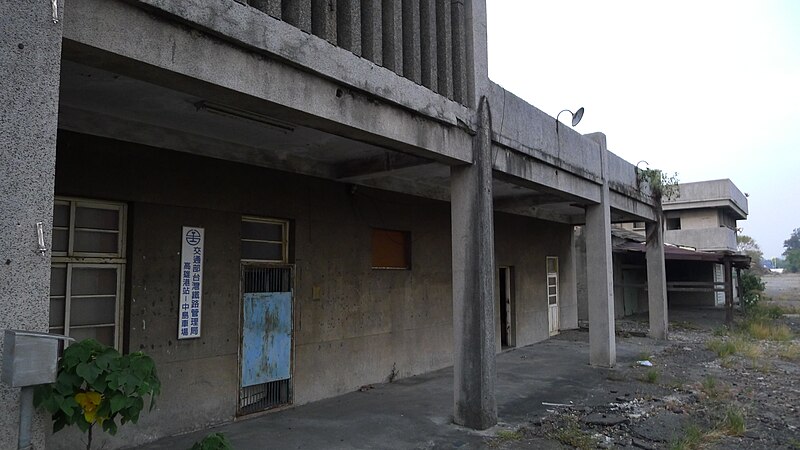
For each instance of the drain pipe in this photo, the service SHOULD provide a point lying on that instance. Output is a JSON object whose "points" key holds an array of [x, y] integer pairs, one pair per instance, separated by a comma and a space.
{"points": [[25, 418]]}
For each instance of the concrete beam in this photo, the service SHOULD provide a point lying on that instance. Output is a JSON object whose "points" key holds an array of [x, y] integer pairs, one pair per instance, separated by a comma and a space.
{"points": [[92, 123], [372, 31], [600, 279], [656, 280], [234, 23], [473, 284], [30, 51], [526, 170], [119, 37], [527, 200], [373, 167]]}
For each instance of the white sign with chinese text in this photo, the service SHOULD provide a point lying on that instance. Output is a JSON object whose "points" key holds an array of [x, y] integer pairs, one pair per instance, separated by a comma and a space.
{"points": [[191, 288]]}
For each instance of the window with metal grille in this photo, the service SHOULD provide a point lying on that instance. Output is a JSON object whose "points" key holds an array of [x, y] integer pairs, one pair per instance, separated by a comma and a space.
{"points": [[265, 240], [391, 249], [88, 269]]}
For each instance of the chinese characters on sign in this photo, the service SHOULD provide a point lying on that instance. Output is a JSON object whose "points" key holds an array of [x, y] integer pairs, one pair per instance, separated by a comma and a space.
{"points": [[191, 287]]}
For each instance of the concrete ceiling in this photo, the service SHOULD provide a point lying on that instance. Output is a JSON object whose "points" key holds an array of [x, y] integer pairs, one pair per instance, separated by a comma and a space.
{"points": [[102, 103]]}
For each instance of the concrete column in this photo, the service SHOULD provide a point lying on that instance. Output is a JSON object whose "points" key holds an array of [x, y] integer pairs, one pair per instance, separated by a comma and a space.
{"points": [[568, 276], [271, 7], [459, 51], [30, 51], [656, 280], [412, 50], [599, 277], [427, 13], [473, 283], [372, 31], [393, 36], [297, 13], [348, 25], [323, 19], [728, 291], [444, 48]]}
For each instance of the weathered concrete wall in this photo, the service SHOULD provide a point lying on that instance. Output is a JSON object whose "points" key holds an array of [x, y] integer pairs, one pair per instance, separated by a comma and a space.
{"points": [[30, 59], [363, 323], [707, 239], [696, 218], [533, 241]]}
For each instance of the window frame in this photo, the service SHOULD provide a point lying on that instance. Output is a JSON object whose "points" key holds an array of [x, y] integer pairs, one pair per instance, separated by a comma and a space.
{"points": [[554, 275], [284, 239], [71, 259]]}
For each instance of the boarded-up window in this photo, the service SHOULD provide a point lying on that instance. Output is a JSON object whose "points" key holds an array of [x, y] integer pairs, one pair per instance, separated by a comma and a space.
{"points": [[391, 249]]}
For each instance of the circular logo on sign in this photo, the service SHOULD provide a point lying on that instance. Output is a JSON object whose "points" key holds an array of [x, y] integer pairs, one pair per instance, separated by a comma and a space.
{"points": [[192, 237]]}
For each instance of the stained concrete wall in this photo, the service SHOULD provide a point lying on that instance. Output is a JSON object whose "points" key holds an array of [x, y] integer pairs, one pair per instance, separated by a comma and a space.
{"points": [[524, 245], [363, 323]]}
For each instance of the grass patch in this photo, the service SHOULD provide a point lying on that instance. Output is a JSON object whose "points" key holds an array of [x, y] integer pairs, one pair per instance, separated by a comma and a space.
{"points": [[712, 389], [695, 438], [733, 422], [790, 352], [651, 376], [509, 435], [572, 435], [767, 331], [722, 347]]}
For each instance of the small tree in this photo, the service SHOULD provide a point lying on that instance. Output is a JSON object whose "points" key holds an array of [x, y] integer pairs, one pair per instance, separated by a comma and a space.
{"points": [[792, 251], [97, 385]]}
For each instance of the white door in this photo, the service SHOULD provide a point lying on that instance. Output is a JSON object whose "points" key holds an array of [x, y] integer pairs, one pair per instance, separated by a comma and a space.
{"points": [[552, 293]]}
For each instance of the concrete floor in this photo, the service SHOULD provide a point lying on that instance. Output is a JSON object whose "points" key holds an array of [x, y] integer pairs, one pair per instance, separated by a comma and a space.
{"points": [[416, 412]]}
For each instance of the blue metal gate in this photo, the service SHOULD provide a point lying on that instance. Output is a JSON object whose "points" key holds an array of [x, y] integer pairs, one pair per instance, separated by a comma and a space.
{"points": [[266, 337], [266, 351]]}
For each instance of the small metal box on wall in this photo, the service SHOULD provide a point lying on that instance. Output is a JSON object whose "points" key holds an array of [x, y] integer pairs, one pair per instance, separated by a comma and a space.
{"points": [[30, 358]]}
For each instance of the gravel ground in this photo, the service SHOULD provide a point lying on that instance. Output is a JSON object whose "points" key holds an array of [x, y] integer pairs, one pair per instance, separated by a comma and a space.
{"points": [[690, 398]]}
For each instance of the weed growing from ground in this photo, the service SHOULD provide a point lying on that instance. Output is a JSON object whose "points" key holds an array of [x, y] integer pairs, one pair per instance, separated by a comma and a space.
{"points": [[572, 435], [722, 347], [651, 376]]}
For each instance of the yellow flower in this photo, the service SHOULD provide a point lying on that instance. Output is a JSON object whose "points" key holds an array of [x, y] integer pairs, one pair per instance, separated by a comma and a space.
{"points": [[90, 402]]}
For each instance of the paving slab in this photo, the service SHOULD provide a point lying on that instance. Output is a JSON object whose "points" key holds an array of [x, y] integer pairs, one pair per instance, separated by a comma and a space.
{"points": [[416, 412]]}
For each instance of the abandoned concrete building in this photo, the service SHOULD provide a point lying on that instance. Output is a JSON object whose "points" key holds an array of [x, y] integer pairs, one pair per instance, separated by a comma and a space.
{"points": [[700, 236], [348, 172]]}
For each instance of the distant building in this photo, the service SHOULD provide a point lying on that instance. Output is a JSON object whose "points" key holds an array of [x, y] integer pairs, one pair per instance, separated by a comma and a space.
{"points": [[704, 215]]}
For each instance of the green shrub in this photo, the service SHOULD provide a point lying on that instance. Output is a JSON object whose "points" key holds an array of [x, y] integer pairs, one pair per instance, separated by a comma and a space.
{"points": [[97, 385], [214, 441], [752, 289]]}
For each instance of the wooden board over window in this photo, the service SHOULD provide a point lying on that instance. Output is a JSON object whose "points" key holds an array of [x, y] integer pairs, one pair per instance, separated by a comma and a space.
{"points": [[391, 249]]}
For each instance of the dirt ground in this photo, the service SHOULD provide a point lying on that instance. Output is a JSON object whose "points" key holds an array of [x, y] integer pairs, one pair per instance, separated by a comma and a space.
{"points": [[710, 387]]}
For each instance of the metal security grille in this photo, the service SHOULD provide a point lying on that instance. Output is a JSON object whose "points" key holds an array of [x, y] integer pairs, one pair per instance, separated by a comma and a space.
{"points": [[257, 279]]}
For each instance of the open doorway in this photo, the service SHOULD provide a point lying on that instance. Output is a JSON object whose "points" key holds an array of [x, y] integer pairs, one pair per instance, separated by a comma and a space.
{"points": [[507, 316]]}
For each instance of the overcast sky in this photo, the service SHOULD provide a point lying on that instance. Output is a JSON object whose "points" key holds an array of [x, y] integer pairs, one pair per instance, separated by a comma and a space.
{"points": [[707, 89]]}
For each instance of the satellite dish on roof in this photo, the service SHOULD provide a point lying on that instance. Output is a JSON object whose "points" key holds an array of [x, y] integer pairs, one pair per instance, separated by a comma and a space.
{"points": [[576, 118]]}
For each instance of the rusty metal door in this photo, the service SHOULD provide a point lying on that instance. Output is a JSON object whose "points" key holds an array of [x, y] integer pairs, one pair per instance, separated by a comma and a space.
{"points": [[266, 350], [266, 337]]}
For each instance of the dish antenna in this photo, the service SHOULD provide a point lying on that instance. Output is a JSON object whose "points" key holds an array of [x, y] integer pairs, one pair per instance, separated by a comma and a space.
{"points": [[576, 116]]}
